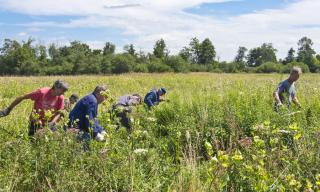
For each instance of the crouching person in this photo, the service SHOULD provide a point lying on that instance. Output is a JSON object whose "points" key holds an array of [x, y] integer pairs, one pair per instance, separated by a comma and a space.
{"points": [[123, 108], [46, 101], [152, 98], [84, 115]]}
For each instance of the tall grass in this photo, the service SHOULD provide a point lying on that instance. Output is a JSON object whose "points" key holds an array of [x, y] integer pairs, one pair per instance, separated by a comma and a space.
{"points": [[190, 143]]}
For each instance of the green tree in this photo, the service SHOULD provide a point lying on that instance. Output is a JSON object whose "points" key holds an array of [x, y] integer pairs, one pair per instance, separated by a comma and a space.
{"points": [[160, 50], [130, 50], [195, 48], [239, 60], [207, 52], [109, 49], [19, 59], [241, 55], [177, 63], [306, 53], [122, 63], [186, 54], [260, 55], [290, 57]]}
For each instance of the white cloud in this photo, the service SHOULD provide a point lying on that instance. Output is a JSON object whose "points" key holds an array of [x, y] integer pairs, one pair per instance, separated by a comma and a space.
{"points": [[145, 21], [22, 34]]}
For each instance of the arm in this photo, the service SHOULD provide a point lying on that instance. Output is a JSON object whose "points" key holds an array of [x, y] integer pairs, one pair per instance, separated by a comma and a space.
{"points": [[91, 120], [296, 101], [18, 100], [149, 100], [133, 101], [276, 98], [58, 113], [276, 93]]}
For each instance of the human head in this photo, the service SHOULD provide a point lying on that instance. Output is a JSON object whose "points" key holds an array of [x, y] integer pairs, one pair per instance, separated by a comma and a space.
{"points": [[100, 93], [73, 98], [139, 98], [162, 91], [295, 73], [59, 87]]}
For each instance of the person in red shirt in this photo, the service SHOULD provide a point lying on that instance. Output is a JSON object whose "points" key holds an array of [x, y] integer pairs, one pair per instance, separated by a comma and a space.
{"points": [[47, 104]]}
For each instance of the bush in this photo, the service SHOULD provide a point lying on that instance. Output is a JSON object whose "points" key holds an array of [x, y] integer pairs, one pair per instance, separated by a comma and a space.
{"points": [[122, 63], [156, 65], [269, 67], [141, 68], [287, 68], [177, 64]]}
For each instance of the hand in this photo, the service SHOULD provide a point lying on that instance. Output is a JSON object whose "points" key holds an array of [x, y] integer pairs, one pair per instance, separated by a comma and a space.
{"points": [[52, 126], [5, 112], [128, 109], [299, 106], [279, 104], [100, 137]]}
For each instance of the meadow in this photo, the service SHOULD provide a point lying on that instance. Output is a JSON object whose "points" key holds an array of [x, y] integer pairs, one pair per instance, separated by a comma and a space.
{"points": [[192, 142]]}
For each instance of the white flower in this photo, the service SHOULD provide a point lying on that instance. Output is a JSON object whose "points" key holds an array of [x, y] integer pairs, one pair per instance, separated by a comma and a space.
{"points": [[140, 151], [215, 159], [151, 119]]}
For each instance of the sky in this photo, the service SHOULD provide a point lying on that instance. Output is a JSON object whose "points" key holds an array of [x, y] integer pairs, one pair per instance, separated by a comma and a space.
{"points": [[227, 23]]}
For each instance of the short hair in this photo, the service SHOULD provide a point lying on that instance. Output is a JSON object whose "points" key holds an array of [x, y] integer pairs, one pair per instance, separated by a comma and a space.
{"points": [[59, 84], [137, 95], [99, 89], [74, 96], [296, 70]]}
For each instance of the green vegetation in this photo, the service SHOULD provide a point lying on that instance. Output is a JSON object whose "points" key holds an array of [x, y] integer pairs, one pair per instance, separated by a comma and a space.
{"points": [[28, 58], [198, 141]]}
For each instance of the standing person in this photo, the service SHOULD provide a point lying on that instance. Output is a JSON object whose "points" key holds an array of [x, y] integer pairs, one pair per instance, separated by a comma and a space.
{"points": [[84, 114], [45, 99], [287, 90], [69, 103], [123, 108], [153, 97]]}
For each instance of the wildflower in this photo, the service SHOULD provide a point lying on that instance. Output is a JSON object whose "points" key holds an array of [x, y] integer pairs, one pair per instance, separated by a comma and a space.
{"points": [[187, 135], [152, 119], [214, 159], [237, 156], [140, 151]]}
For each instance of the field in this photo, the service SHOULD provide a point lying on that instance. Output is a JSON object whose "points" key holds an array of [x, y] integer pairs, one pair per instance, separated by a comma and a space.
{"points": [[193, 142]]}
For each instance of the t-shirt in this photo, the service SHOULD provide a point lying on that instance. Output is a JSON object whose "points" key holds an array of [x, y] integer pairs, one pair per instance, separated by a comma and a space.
{"points": [[45, 101], [286, 90], [128, 100]]}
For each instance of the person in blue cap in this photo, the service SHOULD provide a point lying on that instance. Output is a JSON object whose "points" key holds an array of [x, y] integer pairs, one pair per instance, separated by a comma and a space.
{"points": [[153, 97]]}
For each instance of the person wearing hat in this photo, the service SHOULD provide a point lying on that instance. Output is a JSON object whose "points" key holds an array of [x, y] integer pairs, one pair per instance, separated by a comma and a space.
{"points": [[84, 115], [45, 99], [123, 108], [286, 90], [152, 98]]}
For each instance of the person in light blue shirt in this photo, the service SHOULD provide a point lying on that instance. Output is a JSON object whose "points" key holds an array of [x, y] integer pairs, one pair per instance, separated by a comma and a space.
{"points": [[286, 90], [123, 108], [153, 97]]}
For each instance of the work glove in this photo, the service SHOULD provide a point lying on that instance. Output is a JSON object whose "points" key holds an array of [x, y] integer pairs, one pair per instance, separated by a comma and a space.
{"points": [[100, 137], [5, 112]]}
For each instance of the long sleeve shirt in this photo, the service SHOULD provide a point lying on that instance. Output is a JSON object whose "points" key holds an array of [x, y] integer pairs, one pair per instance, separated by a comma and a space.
{"points": [[152, 98], [84, 114]]}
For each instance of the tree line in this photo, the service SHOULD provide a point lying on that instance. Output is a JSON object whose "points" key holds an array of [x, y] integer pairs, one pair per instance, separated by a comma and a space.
{"points": [[28, 58]]}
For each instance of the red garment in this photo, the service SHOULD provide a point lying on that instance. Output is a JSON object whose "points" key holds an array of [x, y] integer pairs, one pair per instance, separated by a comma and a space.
{"points": [[44, 101]]}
